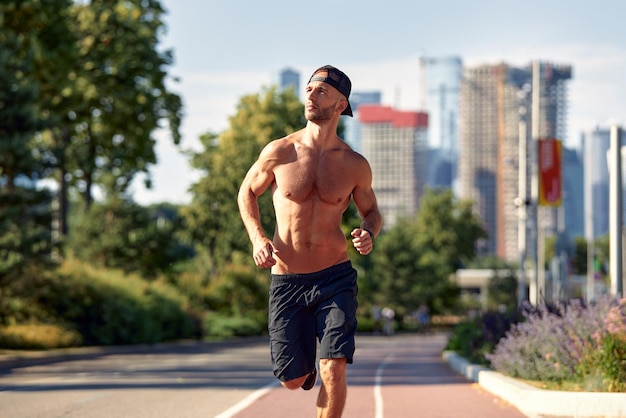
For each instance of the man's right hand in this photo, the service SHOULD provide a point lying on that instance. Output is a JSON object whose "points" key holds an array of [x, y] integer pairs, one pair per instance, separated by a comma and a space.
{"points": [[264, 254]]}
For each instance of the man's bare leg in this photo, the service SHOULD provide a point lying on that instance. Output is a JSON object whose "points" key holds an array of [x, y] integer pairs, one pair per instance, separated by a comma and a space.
{"points": [[332, 396]]}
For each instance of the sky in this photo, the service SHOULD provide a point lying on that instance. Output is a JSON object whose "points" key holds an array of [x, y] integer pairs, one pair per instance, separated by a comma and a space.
{"points": [[224, 50]]}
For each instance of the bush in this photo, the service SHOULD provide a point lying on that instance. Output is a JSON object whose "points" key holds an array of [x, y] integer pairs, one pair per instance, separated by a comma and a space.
{"points": [[108, 307], [607, 364], [477, 337], [570, 343], [221, 326], [38, 336]]}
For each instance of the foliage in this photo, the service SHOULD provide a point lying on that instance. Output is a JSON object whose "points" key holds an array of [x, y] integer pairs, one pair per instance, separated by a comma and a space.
{"points": [[30, 34], [212, 218], [25, 236], [84, 93], [38, 336], [601, 255], [561, 344], [413, 261], [120, 82], [239, 291], [476, 337], [121, 234], [112, 308], [609, 361], [579, 260], [224, 326], [502, 290]]}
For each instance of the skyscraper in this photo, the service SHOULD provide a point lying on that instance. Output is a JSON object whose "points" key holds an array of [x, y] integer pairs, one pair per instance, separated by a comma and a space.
{"points": [[596, 144], [289, 78], [441, 84], [494, 99], [394, 142], [352, 134]]}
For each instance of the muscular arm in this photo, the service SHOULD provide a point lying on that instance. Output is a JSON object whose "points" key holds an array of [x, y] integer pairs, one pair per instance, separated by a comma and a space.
{"points": [[371, 219], [256, 182]]}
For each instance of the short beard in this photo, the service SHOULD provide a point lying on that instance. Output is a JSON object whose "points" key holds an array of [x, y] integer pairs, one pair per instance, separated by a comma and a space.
{"points": [[320, 115]]}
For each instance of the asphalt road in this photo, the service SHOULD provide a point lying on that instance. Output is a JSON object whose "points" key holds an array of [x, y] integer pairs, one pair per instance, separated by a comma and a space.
{"points": [[401, 376]]}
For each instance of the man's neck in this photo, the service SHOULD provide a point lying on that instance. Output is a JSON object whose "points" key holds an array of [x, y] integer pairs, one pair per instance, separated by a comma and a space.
{"points": [[321, 134]]}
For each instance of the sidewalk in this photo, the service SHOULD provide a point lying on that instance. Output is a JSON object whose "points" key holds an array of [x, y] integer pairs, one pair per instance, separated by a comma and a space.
{"points": [[538, 403]]}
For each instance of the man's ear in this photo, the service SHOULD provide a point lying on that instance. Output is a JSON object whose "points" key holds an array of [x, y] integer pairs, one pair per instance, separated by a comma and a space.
{"points": [[343, 104]]}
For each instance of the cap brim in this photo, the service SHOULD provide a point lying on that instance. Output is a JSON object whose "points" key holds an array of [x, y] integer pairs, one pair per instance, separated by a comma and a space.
{"points": [[348, 110]]}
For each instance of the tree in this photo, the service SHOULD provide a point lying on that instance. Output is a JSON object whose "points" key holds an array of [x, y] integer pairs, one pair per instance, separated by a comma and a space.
{"points": [[502, 290], [33, 33], [120, 78], [120, 234], [413, 261], [212, 217]]}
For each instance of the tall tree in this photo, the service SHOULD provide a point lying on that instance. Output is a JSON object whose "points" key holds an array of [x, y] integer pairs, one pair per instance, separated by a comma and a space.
{"points": [[35, 34], [119, 77], [212, 217], [413, 261]]}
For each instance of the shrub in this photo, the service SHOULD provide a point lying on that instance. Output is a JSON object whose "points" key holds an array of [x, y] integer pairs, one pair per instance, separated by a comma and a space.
{"points": [[608, 362], [475, 338], [222, 326], [554, 345], [38, 336], [108, 307]]}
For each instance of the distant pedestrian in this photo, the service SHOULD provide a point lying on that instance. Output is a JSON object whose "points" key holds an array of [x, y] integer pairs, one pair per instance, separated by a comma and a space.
{"points": [[388, 316]]}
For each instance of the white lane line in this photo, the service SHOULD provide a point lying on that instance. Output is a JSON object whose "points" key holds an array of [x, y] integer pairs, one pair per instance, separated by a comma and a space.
{"points": [[247, 401], [378, 395]]}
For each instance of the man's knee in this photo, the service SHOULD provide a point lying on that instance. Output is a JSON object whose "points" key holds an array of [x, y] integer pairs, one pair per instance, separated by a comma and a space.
{"points": [[332, 368], [294, 383]]}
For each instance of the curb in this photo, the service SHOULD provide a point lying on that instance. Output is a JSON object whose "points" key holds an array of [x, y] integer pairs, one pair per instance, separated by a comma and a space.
{"points": [[539, 403]]}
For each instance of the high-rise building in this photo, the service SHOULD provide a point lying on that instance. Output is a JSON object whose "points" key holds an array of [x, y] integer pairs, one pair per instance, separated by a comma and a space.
{"points": [[289, 78], [596, 144], [352, 133], [394, 143], [573, 196], [493, 101], [441, 84]]}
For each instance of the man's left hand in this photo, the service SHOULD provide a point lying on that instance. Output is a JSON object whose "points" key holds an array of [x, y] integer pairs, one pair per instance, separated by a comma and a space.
{"points": [[362, 241]]}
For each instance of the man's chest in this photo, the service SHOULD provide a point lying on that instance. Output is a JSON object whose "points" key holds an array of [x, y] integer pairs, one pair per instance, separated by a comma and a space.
{"points": [[309, 179]]}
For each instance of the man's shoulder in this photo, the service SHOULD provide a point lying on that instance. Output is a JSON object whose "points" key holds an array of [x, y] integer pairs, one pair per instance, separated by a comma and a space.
{"points": [[281, 147], [354, 156]]}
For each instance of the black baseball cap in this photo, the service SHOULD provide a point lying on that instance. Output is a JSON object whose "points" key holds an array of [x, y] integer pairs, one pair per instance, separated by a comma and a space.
{"points": [[338, 80]]}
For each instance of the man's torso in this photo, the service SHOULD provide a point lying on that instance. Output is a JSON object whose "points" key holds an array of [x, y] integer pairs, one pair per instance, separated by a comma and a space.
{"points": [[312, 189]]}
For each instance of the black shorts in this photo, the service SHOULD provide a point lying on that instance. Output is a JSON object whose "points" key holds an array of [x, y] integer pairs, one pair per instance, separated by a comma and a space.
{"points": [[303, 307]]}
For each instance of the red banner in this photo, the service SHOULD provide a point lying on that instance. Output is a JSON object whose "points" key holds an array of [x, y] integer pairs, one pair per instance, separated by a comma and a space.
{"points": [[550, 176]]}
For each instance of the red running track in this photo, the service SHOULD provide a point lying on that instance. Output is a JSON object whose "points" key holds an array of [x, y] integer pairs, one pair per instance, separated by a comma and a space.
{"points": [[393, 377]]}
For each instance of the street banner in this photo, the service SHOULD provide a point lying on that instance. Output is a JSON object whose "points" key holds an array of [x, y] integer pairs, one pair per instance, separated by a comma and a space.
{"points": [[550, 174]]}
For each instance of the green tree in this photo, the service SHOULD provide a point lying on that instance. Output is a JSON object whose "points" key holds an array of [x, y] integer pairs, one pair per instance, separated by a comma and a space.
{"points": [[33, 33], [579, 258], [413, 261], [502, 290], [119, 78], [212, 217], [120, 234]]}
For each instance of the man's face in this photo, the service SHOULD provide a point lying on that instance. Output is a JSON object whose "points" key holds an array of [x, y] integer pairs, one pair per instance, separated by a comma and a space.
{"points": [[321, 100]]}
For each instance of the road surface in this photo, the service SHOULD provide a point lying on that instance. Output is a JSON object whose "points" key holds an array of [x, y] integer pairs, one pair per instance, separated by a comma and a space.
{"points": [[392, 377]]}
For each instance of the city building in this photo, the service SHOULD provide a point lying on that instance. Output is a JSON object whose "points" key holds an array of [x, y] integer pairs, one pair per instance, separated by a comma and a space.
{"points": [[441, 84], [394, 143], [352, 126], [596, 144], [494, 99], [573, 195], [289, 78]]}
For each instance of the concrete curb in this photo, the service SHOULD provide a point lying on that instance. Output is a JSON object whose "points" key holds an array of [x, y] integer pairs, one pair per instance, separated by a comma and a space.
{"points": [[538, 403]]}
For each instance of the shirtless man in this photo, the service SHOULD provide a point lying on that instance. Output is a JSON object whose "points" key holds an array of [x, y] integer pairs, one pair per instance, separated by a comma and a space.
{"points": [[313, 175]]}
